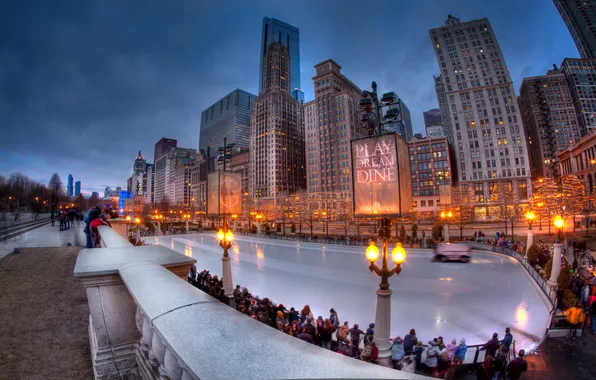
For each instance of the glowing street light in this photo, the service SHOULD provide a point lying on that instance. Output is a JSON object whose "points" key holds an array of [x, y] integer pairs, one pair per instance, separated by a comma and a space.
{"points": [[530, 216], [446, 217], [556, 268]]}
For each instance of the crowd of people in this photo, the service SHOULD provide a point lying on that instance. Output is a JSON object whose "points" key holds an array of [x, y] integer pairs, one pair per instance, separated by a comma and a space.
{"points": [[438, 358], [66, 218], [99, 215]]}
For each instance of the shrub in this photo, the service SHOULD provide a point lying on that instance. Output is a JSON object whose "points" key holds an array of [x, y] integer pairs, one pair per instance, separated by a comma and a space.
{"points": [[253, 229], [293, 228], [437, 230], [564, 280], [267, 227], [402, 233], [414, 230], [548, 268], [533, 253]]}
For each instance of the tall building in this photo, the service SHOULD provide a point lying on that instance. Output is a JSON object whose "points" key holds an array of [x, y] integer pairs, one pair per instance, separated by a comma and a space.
{"points": [[430, 166], [403, 126], [490, 143], [159, 160], [94, 194], [549, 119], [179, 164], [432, 123], [580, 18], [276, 131], [580, 159], [77, 190], [289, 36], [330, 122], [150, 180], [581, 79], [229, 117], [70, 187], [139, 176], [107, 192], [445, 110]]}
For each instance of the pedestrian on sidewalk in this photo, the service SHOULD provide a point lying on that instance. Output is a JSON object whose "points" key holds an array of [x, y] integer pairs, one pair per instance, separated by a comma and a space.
{"points": [[517, 366]]}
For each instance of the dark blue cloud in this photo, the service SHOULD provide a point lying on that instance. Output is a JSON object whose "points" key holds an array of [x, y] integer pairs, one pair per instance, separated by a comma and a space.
{"points": [[85, 84]]}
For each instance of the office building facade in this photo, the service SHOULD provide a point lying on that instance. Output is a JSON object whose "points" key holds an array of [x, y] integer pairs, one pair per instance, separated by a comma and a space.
{"points": [[403, 126], [432, 123], [330, 123], [489, 139], [228, 118], [430, 166], [549, 119], [159, 160], [277, 165], [581, 80], [77, 188], [275, 31], [580, 18], [444, 108]]}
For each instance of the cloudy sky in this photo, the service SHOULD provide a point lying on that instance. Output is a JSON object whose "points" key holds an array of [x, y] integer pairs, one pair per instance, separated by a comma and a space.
{"points": [[85, 84]]}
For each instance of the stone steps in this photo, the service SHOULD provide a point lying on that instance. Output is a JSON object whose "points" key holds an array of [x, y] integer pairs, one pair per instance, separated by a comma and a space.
{"points": [[9, 232]]}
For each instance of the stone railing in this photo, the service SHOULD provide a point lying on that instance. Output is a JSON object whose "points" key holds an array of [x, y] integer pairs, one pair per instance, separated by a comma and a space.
{"points": [[148, 322]]}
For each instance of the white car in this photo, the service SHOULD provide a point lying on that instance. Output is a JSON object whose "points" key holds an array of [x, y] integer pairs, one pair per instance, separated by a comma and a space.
{"points": [[452, 252]]}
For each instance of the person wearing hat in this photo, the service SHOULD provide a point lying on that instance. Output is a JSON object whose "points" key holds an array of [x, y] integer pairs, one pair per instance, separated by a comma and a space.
{"points": [[397, 352]]}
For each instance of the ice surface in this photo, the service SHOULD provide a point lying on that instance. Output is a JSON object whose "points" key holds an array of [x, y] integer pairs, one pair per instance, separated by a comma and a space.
{"points": [[452, 300]]}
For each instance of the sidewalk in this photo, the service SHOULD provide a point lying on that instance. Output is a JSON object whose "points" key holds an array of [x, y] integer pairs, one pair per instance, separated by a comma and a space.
{"points": [[46, 236]]}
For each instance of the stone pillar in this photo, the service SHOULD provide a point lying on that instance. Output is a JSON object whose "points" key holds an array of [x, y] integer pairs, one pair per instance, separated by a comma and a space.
{"points": [[138, 235], [530, 240], [446, 234], [227, 276], [556, 270], [383, 326]]}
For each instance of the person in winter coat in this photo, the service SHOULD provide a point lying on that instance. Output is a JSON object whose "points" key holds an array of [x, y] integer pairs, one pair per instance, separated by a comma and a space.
{"points": [[418, 350], [370, 331], [410, 340], [280, 321], [491, 346], [575, 316], [432, 356], [325, 334], [334, 319], [508, 339], [320, 325], [345, 348], [343, 331], [517, 366], [500, 362], [397, 352], [305, 313], [451, 347], [355, 334], [486, 370], [293, 315], [460, 351], [370, 351], [305, 336]]}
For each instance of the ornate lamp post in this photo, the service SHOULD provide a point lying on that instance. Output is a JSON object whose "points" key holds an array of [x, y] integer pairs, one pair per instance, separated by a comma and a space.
{"points": [[556, 268], [186, 218], [138, 236], [446, 216], [225, 237], [381, 197], [383, 313], [530, 216], [234, 219]]}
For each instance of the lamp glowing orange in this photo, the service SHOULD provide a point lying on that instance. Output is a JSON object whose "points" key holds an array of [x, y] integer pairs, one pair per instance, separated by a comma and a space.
{"points": [[372, 252], [559, 222], [229, 236], [398, 254], [128, 218], [220, 235]]}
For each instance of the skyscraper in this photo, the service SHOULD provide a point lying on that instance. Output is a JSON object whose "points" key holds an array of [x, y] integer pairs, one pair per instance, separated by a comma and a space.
{"points": [[70, 188], [581, 80], [403, 126], [580, 18], [330, 121], [549, 119], [139, 175], [77, 190], [288, 35], [445, 111], [490, 143], [149, 193], [229, 117], [159, 160], [277, 131]]}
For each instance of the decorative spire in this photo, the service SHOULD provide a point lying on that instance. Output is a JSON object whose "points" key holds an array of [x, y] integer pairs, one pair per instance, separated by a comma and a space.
{"points": [[139, 157]]}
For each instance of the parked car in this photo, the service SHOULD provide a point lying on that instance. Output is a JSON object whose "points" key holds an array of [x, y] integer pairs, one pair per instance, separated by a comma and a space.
{"points": [[452, 252]]}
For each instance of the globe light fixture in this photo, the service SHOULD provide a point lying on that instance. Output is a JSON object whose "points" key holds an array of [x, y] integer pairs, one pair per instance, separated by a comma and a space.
{"points": [[398, 254], [372, 252], [220, 235]]}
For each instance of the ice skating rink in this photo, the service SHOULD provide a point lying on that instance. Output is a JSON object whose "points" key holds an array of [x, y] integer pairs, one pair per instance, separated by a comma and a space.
{"points": [[451, 300]]}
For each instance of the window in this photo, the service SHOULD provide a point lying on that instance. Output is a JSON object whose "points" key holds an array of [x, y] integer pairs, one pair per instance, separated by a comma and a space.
{"points": [[422, 203]]}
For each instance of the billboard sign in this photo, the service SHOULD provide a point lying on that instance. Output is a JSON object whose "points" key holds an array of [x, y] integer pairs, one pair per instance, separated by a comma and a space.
{"points": [[224, 193], [445, 194], [381, 180]]}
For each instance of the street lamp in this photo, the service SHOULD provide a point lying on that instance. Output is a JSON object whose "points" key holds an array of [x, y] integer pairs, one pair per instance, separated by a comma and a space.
{"points": [[556, 267], [225, 237], [530, 216], [138, 222], [383, 312], [446, 216], [234, 219], [186, 217]]}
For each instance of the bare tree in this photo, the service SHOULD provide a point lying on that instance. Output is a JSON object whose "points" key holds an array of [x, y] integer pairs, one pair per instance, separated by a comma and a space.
{"points": [[462, 200], [505, 201], [57, 191]]}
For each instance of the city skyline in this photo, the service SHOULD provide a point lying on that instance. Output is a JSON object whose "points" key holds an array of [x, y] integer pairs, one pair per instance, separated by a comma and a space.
{"points": [[83, 106]]}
